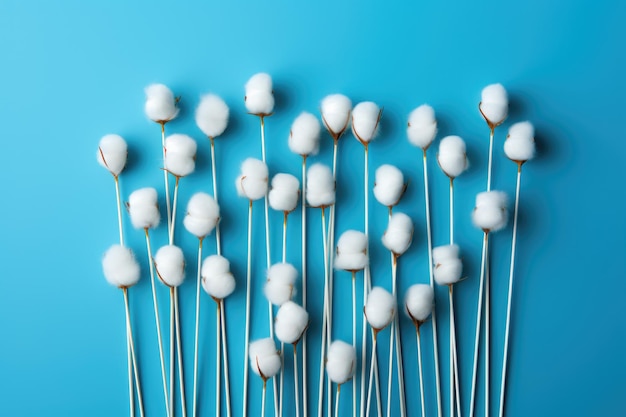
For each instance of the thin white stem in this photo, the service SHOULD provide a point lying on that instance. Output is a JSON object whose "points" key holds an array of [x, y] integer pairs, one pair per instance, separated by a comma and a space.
{"points": [[451, 307], [263, 399], [282, 379], [119, 209], [370, 384], [247, 329], [285, 237], [179, 347], [510, 294], [324, 320], [305, 392], [337, 401], [157, 319], [490, 159], [354, 386], [420, 370], [395, 337], [263, 139], [379, 402], [296, 380], [174, 204], [172, 352], [166, 180], [131, 384], [486, 340], [195, 354], [478, 322], [225, 356], [218, 238], [367, 284], [455, 357], [129, 330], [330, 249], [432, 284], [451, 211], [218, 367]]}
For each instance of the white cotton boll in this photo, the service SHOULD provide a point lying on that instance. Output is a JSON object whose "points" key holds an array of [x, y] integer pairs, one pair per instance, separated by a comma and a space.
{"points": [[285, 192], [170, 265], [179, 165], [160, 103], [291, 322], [340, 362], [445, 253], [144, 209], [252, 183], [212, 115], [419, 302], [452, 156], [112, 153], [351, 261], [380, 308], [519, 145], [351, 251], [202, 216], [279, 287], [422, 126], [259, 95], [264, 358], [389, 185], [490, 213], [365, 121], [217, 280], [494, 104], [336, 110], [399, 233], [120, 267], [447, 265], [180, 154], [320, 186], [304, 137]]}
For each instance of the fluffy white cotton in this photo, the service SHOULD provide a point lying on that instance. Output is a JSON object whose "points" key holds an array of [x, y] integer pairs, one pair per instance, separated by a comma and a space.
{"points": [[259, 95], [320, 186], [144, 209], [304, 136], [422, 126], [120, 267], [447, 264], [452, 156], [336, 110], [252, 183], [494, 104], [212, 115], [380, 308], [291, 322], [202, 216], [490, 213], [519, 145], [217, 280], [399, 234], [160, 103], [264, 358], [389, 185], [365, 120], [351, 252], [180, 154], [279, 287], [419, 302], [285, 192], [112, 153], [340, 362], [170, 265]]}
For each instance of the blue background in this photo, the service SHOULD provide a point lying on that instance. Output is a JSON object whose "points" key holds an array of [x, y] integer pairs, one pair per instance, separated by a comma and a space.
{"points": [[73, 71]]}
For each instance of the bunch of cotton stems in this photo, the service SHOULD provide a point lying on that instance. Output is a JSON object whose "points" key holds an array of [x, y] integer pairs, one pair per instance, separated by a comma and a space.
{"points": [[421, 132], [218, 282], [265, 362], [494, 107], [419, 303], [340, 366], [489, 215], [212, 119], [519, 147], [283, 197]]}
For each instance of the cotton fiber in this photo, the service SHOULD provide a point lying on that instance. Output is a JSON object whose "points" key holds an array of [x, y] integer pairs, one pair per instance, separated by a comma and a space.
{"points": [[389, 185], [519, 145], [351, 251], [285, 192], [212, 115], [447, 264], [399, 234], [452, 156], [217, 280], [419, 302], [380, 308], [180, 155], [494, 104], [304, 136], [340, 362], [112, 153], [144, 209], [422, 126], [336, 110], [279, 287], [202, 216], [252, 183], [365, 120], [259, 95], [120, 267], [320, 186], [160, 103], [264, 358], [170, 265], [291, 322], [490, 213]]}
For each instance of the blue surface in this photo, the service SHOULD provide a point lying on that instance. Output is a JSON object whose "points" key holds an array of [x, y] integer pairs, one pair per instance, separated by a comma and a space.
{"points": [[74, 71]]}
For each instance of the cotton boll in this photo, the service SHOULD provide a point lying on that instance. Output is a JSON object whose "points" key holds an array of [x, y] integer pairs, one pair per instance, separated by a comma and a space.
{"points": [[120, 267], [320, 186], [340, 362], [212, 115], [445, 253], [291, 322], [112, 153], [351, 261], [170, 265], [304, 137], [452, 156], [351, 251], [279, 287], [202, 216], [336, 110], [285, 192], [399, 234], [264, 358], [180, 155], [160, 103], [259, 95], [380, 308], [252, 183], [447, 265], [519, 145], [217, 280], [389, 185], [422, 126], [143, 208], [490, 213], [419, 302], [365, 120], [494, 104]]}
